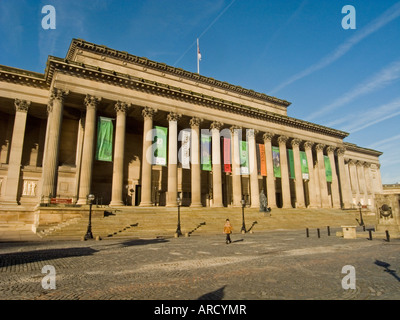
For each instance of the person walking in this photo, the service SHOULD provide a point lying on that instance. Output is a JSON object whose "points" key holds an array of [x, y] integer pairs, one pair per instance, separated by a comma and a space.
{"points": [[228, 230]]}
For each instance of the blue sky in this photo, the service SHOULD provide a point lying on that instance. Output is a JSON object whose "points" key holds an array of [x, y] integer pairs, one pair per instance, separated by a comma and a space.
{"points": [[294, 50]]}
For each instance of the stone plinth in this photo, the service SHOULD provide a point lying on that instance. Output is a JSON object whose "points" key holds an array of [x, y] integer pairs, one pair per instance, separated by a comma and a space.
{"points": [[387, 212]]}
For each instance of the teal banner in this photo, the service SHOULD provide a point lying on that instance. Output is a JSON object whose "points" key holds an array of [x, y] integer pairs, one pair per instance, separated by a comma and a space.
{"points": [[105, 129]]}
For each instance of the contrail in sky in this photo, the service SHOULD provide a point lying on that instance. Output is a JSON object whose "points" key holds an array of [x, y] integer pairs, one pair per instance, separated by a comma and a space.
{"points": [[389, 15]]}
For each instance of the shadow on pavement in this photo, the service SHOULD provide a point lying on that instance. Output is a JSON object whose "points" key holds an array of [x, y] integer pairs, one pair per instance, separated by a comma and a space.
{"points": [[386, 266], [142, 242], [16, 258], [214, 295]]}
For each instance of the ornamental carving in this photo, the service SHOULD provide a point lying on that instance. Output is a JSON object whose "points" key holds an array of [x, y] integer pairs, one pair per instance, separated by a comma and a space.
{"points": [[330, 149], [251, 133], [268, 136], [22, 105], [340, 151], [295, 142], [320, 147], [386, 212], [148, 113], [308, 145], [235, 129], [195, 122], [121, 107], [282, 139], [173, 116], [216, 125], [56, 94], [91, 101]]}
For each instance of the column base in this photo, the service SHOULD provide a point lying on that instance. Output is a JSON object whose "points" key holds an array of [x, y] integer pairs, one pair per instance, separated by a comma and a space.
{"points": [[146, 204], [81, 202], [171, 205], [217, 205], [196, 205], [116, 204], [7, 202]]}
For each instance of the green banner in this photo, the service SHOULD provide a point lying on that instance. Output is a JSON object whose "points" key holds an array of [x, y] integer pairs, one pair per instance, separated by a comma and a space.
{"points": [[328, 169], [160, 146], [244, 157], [105, 129], [291, 163], [205, 163], [304, 165], [276, 161]]}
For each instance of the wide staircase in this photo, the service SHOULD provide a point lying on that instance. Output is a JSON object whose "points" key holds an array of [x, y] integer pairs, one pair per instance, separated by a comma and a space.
{"points": [[129, 222]]}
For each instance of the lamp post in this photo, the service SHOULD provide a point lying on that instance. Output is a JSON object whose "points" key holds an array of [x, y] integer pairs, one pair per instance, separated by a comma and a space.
{"points": [[89, 234], [361, 218], [243, 225], [178, 228]]}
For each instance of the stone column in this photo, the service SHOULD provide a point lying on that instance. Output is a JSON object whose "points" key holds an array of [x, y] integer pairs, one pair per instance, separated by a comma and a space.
{"points": [[354, 181], [344, 182], [254, 189], [50, 168], [85, 183], [147, 114], [195, 163], [325, 202], [286, 200], [335, 182], [312, 182], [236, 176], [271, 192], [17, 145], [368, 181], [119, 153], [300, 203], [216, 164], [172, 159], [361, 181]]}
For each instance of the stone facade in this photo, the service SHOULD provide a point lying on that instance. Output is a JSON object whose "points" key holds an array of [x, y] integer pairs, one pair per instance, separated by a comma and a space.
{"points": [[48, 130]]}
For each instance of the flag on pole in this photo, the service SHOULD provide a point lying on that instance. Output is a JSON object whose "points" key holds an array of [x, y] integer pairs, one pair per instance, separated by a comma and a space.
{"points": [[198, 57]]}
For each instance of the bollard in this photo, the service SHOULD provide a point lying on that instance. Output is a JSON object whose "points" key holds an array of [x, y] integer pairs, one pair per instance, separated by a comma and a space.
{"points": [[307, 233], [387, 236], [329, 230], [363, 227], [319, 235], [370, 234]]}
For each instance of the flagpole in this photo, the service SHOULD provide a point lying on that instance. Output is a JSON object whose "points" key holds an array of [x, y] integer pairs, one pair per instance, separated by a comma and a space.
{"points": [[198, 57]]}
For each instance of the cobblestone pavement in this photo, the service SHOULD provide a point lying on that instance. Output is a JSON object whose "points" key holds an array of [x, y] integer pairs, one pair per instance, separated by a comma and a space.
{"points": [[268, 265]]}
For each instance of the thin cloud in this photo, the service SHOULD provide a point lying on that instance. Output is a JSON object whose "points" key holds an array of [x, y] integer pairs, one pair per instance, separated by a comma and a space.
{"points": [[204, 32], [384, 141], [373, 116], [383, 78], [389, 15]]}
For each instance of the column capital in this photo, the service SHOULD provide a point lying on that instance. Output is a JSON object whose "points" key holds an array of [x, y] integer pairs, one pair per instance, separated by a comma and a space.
{"points": [[148, 112], [56, 94], [21, 105], [351, 161], [173, 116], [268, 136], [359, 163], [367, 164], [195, 122], [282, 139], [320, 147], [121, 107], [308, 145], [235, 128], [251, 133], [340, 151], [216, 125], [91, 102], [330, 149], [295, 142]]}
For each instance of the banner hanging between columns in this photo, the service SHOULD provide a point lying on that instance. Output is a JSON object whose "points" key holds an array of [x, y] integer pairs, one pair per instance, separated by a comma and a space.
{"points": [[276, 160], [244, 157], [328, 169], [160, 146], [205, 152], [261, 160], [105, 129], [185, 149], [227, 155], [291, 163], [304, 165]]}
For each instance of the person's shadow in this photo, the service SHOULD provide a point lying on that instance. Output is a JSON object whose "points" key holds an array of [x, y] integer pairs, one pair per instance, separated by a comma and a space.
{"points": [[213, 295], [386, 266]]}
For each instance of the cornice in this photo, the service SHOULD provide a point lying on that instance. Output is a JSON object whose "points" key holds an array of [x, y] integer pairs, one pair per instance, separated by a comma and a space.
{"points": [[140, 84], [24, 77], [356, 148], [164, 68]]}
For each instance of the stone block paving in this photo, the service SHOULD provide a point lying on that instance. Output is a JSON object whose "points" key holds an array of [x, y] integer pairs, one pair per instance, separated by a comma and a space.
{"points": [[284, 265]]}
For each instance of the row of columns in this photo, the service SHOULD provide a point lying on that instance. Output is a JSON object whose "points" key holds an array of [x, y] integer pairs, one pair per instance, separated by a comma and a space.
{"points": [[352, 180]]}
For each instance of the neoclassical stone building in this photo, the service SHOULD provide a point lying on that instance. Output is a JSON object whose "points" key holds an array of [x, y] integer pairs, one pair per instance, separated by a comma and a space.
{"points": [[49, 138]]}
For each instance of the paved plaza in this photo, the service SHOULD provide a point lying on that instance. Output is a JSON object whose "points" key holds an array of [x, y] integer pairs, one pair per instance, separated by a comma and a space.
{"points": [[268, 265]]}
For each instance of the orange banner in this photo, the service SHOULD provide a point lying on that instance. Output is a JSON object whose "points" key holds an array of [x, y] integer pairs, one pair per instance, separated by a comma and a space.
{"points": [[263, 163]]}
